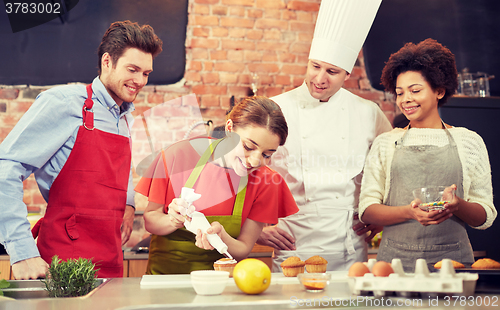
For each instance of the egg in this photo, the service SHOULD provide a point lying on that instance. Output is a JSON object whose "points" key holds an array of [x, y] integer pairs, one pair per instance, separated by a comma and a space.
{"points": [[358, 269], [382, 269]]}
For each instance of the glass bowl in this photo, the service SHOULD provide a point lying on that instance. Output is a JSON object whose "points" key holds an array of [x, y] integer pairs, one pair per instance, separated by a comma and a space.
{"points": [[209, 282], [434, 197], [314, 282]]}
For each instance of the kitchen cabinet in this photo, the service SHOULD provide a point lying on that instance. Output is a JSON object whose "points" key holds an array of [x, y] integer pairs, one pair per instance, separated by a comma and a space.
{"points": [[135, 264], [5, 267]]}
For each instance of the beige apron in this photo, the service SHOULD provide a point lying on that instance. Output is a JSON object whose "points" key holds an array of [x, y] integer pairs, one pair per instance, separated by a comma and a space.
{"points": [[421, 166]]}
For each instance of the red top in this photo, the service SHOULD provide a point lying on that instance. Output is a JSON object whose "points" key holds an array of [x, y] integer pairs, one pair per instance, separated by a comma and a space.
{"points": [[267, 197]]}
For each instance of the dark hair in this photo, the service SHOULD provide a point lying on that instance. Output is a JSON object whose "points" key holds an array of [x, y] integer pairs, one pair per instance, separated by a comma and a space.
{"points": [[435, 62], [262, 112], [125, 34]]}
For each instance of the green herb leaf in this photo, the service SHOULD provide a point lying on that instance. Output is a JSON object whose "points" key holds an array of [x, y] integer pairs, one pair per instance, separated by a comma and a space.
{"points": [[75, 277]]}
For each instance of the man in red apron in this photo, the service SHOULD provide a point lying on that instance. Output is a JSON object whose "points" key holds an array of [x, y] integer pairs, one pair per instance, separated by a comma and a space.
{"points": [[87, 179]]}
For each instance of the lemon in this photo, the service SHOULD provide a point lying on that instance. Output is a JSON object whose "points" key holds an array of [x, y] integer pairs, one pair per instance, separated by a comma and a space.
{"points": [[252, 276]]}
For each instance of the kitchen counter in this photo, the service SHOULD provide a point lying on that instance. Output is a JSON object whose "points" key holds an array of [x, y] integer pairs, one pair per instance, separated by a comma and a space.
{"points": [[283, 293]]}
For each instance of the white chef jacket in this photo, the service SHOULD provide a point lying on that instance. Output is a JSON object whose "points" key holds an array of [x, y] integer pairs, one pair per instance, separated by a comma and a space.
{"points": [[322, 162]]}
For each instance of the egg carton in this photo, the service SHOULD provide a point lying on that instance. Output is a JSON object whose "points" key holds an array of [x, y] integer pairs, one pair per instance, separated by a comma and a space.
{"points": [[422, 281]]}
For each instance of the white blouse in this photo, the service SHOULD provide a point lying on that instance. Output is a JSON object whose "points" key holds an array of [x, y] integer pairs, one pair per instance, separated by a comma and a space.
{"points": [[472, 152]]}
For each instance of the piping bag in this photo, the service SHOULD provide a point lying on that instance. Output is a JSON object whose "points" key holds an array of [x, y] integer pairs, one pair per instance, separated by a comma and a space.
{"points": [[199, 221]]}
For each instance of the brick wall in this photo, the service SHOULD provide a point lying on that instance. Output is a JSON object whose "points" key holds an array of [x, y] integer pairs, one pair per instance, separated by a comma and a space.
{"points": [[227, 41]]}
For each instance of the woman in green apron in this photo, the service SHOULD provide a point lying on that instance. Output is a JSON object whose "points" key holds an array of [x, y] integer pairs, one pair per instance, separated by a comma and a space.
{"points": [[239, 193], [427, 152]]}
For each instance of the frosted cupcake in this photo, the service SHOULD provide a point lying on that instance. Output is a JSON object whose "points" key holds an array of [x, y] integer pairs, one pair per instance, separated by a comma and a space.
{"points": [[292, 266], [316, 264], [225, 264]]}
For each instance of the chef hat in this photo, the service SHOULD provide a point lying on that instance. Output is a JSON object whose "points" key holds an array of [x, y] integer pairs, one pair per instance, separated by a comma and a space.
{"points": [[341, 30]]}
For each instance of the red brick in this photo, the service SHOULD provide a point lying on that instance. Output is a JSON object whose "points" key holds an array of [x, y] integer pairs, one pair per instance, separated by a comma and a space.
{"points": [[199, 53], [282, 80], [201, 32], [305, 37], [204, 43], [4, 131], [236, 22], [266, 80], [309, 17], [238, 2], [206, 2], [254, 13], [219, 10], [38, 199], [192, 76], [365, 84], [351, 83], [202, 20], [272, 46], [297, 81], [19, 107], [386, 105], [209, 101], [303, 59], [271, 23], [229, 67], [200, 10], [273, 34], [194, 65], [286, 57], [228, 78], [370, 95], [252, 56], [274, 4], [237, 45], [235, 56], [220, 32], [301, 27], [208, 65], [156, 98], [9, 93], [218, 55], [293, 69], [263, 67], [302, 6], [214, 114], [237, 33], [358, 72], [9, 120], [273, 91], [270, 57], [254, 34], [272, 14], [289, 15], [209, 90], [210, 78], [240, 91], [237, 11]]}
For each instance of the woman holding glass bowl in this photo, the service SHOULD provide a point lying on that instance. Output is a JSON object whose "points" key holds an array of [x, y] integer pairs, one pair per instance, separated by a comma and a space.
{"points": [[426, 153]]}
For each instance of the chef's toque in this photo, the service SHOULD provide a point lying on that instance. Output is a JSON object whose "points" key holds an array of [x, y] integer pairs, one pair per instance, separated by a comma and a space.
{"points": [[341, 30]]}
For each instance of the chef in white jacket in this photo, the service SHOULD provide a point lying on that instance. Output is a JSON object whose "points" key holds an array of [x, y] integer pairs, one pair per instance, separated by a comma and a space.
{"points": [[330, 133]]}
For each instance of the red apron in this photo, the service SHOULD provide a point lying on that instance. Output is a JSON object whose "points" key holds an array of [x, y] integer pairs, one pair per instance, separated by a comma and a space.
{"points": [[87, 200]]}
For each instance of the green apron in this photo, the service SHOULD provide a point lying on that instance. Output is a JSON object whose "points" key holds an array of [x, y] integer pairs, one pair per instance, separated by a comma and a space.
{"points": [[176, 253]]}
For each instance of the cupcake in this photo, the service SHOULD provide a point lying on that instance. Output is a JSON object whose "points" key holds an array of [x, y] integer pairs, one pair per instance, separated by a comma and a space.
{"points": [[455, 264], [486, 263], [316, 264], [225, 264], [292, 266]]}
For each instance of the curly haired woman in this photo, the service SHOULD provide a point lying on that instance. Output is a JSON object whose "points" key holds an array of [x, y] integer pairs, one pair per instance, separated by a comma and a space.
{"points": [[425, 153]]}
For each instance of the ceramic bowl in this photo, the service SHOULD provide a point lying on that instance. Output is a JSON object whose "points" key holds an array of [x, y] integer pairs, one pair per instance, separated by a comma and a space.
{"points": [[434, 197], [314, 282], [209, 282]]}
